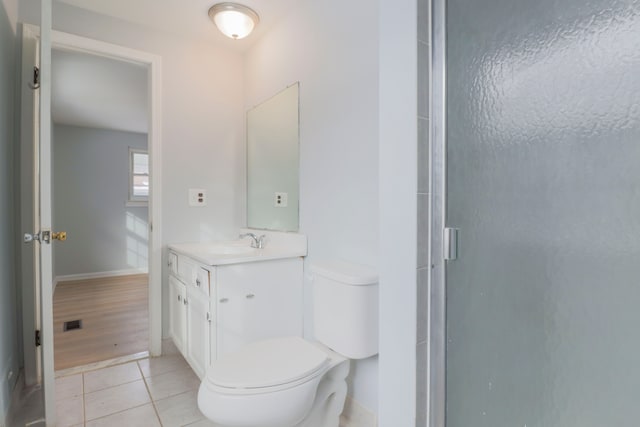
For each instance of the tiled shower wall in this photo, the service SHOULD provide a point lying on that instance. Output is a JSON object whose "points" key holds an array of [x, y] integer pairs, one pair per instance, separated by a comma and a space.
{"points": [[424, 73]]}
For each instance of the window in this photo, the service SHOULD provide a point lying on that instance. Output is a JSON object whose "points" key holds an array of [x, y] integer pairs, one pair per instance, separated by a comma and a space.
{"points": [[138, 176]]}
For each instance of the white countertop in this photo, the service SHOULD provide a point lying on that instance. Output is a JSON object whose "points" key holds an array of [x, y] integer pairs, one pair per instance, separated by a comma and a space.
{"points": [[236, 252]]}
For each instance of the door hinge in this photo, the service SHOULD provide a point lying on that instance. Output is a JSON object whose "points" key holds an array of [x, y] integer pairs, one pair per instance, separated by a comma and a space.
{"points": [[37, 338], [451, 243], [35, 84]]}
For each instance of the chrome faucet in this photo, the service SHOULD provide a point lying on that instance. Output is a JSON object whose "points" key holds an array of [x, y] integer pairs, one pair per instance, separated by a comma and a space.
{"points": [[256, 242]]}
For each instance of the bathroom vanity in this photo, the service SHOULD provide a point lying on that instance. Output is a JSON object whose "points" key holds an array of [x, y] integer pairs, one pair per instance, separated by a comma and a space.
{"points": [[226, 294]]}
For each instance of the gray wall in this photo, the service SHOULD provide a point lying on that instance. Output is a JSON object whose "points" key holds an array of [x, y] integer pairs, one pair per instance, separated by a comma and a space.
{"points": [[90, 189], [424, 71], [9, 354]]}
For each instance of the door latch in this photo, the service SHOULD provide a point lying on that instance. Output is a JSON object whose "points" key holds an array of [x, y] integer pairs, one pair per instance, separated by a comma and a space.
{"points": [[42, 237], [28, 237]]}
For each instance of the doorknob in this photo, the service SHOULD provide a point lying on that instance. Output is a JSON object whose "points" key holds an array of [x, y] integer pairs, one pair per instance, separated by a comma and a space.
{"points": [[60, 235], [45, 236]]}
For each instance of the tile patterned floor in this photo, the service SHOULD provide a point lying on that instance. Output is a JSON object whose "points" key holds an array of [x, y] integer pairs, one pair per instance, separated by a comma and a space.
{"points": [[157, 392]]}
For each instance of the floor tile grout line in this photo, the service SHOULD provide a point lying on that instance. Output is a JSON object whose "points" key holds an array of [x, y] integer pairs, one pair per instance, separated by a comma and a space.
{"points": [[176, 395], [116, 385], [153, 402], [179, 357], [180, 394], [111, 387], [86, 369], [117, 412]]}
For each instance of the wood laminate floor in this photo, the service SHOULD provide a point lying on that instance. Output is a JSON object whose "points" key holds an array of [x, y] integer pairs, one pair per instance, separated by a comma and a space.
{"points": [[115, 319]]}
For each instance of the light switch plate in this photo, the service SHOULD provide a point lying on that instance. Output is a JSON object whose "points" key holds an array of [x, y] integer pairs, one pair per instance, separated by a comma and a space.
{"points": [[197, 197]]}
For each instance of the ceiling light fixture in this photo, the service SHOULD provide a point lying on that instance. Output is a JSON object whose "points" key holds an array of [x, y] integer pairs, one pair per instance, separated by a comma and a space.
{"points": [[234, 20]]}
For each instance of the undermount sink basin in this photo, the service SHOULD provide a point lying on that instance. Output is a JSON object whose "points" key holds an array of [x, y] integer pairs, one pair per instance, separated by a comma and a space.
{"points": [[228, 250]]}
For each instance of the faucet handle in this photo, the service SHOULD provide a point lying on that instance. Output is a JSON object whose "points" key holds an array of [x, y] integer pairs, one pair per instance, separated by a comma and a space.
{"points": [[256, 242]]}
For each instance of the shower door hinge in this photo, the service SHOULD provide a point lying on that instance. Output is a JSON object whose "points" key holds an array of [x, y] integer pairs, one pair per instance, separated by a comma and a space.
{"points": [[37, 338], [450, 239]]}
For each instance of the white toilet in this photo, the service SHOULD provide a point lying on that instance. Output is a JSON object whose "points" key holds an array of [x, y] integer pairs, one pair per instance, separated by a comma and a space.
{"points": [[291, 382]]}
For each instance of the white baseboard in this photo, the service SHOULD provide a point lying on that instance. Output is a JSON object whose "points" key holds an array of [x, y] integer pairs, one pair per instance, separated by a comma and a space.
{"points": [[85, 276], [356, 415]]}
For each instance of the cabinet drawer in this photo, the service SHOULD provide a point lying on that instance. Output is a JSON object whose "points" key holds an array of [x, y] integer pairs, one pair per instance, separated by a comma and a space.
{"points": [[187, 270], [173, 263]]}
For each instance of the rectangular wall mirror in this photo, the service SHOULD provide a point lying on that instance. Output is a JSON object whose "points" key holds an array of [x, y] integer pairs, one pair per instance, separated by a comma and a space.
{"points": [[273, 162]]}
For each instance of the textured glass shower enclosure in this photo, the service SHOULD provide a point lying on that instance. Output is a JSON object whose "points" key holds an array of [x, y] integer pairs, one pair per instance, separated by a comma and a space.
{"points": [[543, 180]]}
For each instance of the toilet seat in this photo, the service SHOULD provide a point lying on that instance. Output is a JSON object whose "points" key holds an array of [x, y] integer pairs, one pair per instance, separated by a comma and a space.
{"points": [[267, 366]]}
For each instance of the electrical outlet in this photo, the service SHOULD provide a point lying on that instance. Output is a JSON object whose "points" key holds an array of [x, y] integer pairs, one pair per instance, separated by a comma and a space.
{"points": [[281, 200], [197, 197]]}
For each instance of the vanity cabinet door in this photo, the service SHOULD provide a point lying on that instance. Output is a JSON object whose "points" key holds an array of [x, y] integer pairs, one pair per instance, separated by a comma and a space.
{"points": [[203, 281], [234, 305], [198, 320], [177, 313], [257, 301]]}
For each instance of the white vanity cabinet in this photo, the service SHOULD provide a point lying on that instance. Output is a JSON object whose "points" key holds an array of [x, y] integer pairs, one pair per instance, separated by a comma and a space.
{"points": [[214, 309], [189, 310]]}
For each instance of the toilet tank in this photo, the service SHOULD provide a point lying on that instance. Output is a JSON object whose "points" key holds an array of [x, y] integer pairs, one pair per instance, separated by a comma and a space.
{"points": [[345, 305]]}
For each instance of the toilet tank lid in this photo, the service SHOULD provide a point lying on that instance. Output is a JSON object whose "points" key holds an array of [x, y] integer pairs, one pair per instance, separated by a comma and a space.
{"points": [[345, 272]]}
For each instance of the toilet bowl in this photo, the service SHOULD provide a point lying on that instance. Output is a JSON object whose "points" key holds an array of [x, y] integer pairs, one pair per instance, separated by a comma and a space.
{"points": [[270, 383], [292, 382]]}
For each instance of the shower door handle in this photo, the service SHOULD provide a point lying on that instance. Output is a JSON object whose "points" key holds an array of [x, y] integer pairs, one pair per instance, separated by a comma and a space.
{"points": [[451, 243]]}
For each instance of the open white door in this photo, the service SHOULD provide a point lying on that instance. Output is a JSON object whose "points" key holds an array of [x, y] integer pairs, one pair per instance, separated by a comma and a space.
{"points": [[29, 201], [42, 356]]}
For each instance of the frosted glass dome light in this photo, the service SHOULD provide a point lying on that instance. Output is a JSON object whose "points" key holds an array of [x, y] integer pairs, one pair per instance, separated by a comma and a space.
{"points": [[234, 20]]}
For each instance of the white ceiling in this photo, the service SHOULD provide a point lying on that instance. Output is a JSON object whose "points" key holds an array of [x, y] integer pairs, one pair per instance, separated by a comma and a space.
{"points": [[92, 91], [186, 17]]}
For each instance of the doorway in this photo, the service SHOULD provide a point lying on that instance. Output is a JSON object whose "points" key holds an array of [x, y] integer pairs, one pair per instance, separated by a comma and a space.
{"points": [[36, 372], [100, 199], [535, 321]]}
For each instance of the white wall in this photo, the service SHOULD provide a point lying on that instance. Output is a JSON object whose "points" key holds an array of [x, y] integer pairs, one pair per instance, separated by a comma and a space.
{"points": [[9, 353], [336, 62], [398, 220], [202, 122], [90, 188]]}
